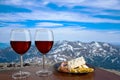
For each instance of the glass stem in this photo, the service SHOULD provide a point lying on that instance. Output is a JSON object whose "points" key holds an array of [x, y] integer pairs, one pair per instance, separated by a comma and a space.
{"points": [[21, 63], [43, 61]]}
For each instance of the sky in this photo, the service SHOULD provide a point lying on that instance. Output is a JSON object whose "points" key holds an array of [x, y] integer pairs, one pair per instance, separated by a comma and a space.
{"points": [[73, 20]]}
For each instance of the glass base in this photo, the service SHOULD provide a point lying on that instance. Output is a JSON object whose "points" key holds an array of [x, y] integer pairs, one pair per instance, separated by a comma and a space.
{"points": [[43, 73], [20, 75]]}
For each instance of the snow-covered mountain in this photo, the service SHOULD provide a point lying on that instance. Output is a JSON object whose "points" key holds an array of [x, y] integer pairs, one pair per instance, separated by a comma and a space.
{"points": [[98, 54]]}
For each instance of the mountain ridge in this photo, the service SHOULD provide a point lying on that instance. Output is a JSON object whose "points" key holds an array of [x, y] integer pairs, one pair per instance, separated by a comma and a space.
{"points": [[98, 54]]}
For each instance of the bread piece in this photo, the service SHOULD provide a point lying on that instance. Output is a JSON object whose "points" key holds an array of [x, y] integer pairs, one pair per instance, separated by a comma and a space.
{"points": [[76, 62]]}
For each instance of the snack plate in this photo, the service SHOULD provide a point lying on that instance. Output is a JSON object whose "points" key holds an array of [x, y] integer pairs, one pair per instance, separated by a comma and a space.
{"points": [[56, 66]]}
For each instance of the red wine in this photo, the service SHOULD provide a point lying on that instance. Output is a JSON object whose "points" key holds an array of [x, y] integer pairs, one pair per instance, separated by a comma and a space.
{"points": [[20, 47], [44, 46]]}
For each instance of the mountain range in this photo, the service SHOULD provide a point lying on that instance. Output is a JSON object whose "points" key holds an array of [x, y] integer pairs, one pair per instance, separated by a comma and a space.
{"points": [[98, 54]]}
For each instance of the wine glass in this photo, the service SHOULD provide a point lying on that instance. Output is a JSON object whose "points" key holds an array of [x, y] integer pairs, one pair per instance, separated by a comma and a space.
{"points": [[20, 42], [44, 43]]}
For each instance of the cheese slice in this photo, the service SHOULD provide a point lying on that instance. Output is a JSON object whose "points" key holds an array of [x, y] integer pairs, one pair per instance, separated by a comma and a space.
{"points": [[78, 62]]}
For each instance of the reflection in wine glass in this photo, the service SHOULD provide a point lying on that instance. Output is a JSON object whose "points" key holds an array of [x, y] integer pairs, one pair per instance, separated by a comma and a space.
{"points": [[20, 42], [44, 43]]}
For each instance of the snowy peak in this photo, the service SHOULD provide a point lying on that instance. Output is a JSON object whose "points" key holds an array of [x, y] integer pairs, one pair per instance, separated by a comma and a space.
{"points": [[96, 53]]}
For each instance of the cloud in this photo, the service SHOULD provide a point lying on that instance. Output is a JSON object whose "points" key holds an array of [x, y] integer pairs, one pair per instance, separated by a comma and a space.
{"points": [[104, 4], [18, 2], [113, 32], [53, 16], [49, 24], [29, 4], [40, 11], [12, 25], [85, 35], [70, 33], [44, 16]]}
